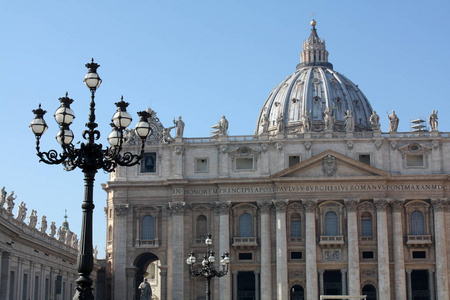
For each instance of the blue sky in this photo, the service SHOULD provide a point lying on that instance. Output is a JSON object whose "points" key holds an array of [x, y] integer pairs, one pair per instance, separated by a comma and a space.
{"points": [[197, 59]]}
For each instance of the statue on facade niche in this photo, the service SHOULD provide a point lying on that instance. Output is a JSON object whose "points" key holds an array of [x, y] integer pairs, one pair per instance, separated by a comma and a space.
{"points": [[328, 118], [265, 123], [179, 124], [349, 121], [433, 121], [95, 252], [21, 211], [393, 121], [146, 290], [280, 123], [10, 202], [52, 230], [3, 197], [33, 218], [43, 224], [375, 121]]}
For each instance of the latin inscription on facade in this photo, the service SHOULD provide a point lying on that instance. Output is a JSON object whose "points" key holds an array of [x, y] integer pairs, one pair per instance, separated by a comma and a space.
{"points": [[312, 188]]}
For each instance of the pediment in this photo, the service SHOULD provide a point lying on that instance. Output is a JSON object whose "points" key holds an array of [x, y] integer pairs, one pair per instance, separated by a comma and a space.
{"points": [[330, 164]]}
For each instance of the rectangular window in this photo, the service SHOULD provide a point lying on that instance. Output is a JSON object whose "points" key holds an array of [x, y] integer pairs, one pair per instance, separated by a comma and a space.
{"points": [[366, 227], [419, 254], [365, 159], [296, 255], [148, 163], [367, 255], [293, 160], [245, 256], [36, 288], [414, 160], [296, 228], [201, 165], [244, 163]]}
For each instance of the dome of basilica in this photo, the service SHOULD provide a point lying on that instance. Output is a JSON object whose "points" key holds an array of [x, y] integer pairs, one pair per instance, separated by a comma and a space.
{"points": [[307, 99]]}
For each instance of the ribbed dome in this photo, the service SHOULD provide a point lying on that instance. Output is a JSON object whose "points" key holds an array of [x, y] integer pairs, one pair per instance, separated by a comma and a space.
{"points": [[307, 93]]}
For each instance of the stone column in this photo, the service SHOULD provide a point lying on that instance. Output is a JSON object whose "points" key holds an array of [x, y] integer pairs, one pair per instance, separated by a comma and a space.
{"points": [[321, 287], [235, 284], [311, 252], [384, 288], [354, 284], [19, 277], [163, 273], [282, 277], [440, 248], [408, 273], [120, 252], [178, 158], [223, 209], [223, 161], [178, 255], [131, 283], [31, 286], [266, 262], [398, 249], [257, 297], [344, 281], [431, 283]]}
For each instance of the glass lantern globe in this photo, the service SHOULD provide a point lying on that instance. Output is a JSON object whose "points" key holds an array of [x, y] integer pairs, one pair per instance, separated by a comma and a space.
{"points": [[92, 80], [143, 128], [38, 126], [64, 136], [115, 137]]}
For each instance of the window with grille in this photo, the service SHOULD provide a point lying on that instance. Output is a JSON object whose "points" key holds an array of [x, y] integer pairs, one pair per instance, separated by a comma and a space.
{"points": [[148, 228], [331, 224], [417, 226], [245, 225]]}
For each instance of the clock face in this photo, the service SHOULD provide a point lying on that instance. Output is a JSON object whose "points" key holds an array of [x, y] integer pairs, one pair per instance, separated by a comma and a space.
{"points": [[154, 133]]}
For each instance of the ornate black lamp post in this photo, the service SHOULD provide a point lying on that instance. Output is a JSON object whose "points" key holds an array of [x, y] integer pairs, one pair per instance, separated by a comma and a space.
{"points": [[206, 269], [89, 157]]}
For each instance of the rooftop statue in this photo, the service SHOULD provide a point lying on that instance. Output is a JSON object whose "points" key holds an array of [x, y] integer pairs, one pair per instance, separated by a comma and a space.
{"points": [[433, 121], [306, 120], [221, 128], [68, 237], [43, 224], [21, 211], [280, 123], [60, 234], [10, 202], [393, 122], [52, 230], [179, 124], [33, 218], [74, 241], [130, 136], [375, 121], [265, 123], [166, 138], [3, 197], [329, 119], [349, 121]]}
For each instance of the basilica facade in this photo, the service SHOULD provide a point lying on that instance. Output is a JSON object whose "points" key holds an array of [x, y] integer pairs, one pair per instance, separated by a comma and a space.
{"points": [[318, 201]]}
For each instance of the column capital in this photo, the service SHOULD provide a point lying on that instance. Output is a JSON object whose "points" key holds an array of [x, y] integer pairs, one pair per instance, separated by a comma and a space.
{"points": [[257, 271], [177, 208], [397, 204], [431, 270], [234, 272], [439, 204], [351, 204], [280, 205], [321, 271], [222, 207], [380, 204], [309, 205], [408, 271], [121, 210], [264, 206], [343, 271]]}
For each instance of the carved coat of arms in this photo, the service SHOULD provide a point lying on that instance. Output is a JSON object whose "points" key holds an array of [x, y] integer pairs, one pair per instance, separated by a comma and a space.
{"points": [[329, 165]]}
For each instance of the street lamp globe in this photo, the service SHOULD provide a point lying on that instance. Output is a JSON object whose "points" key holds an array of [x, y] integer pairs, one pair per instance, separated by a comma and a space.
{"points": [[121, 118], [38, 125], [92, 80]]}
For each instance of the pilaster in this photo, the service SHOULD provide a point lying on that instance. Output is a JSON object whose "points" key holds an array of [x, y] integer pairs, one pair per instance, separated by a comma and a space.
{"points": [[354, 282], [311, 252], [440, 248], [178, 262], [120, 241], [384, 288], [398, 249], [282, 276], [266, 269]]}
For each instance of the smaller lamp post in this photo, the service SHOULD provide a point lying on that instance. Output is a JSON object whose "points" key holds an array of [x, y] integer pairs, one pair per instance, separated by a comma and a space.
{"points": [[206, 269]]}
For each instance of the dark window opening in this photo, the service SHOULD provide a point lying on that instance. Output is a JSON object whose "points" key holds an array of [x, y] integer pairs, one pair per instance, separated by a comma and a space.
{"points": [[296, 255], [245, 256], [419, 254], [293, 160], [148, 163], [367, 254], [365, 159]]}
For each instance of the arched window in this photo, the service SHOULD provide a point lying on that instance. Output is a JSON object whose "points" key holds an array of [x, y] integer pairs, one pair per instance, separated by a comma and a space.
{"points": [[297, 292], [245, 225], [110, 233], [148, 228], [202, 227], [370, 291], [417, 226], [331, 224], [296, 226], [366, 224]]}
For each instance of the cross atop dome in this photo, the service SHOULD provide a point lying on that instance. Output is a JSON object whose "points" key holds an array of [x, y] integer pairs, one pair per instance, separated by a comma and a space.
{"points": [[314, 52]]}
